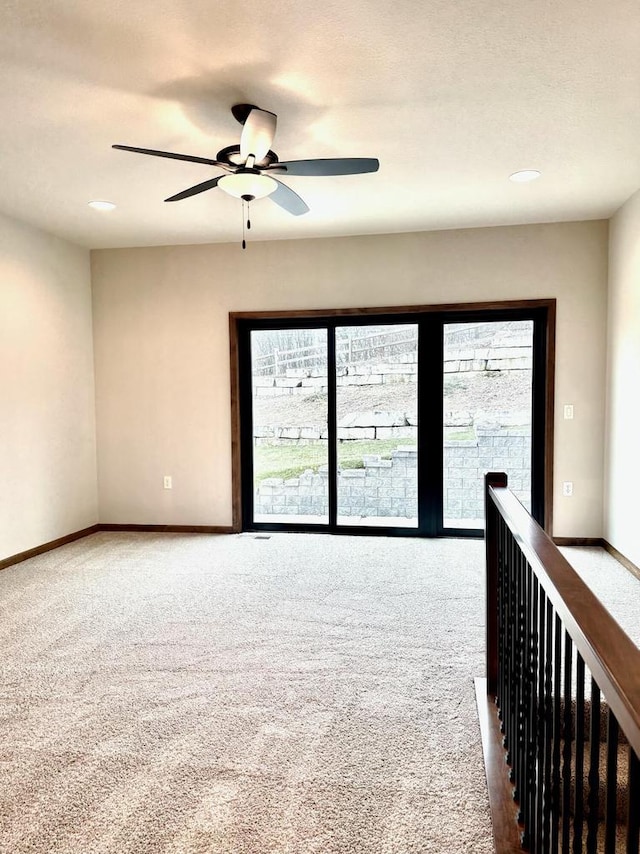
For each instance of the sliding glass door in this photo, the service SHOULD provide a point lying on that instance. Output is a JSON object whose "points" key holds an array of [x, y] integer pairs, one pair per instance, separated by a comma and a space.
{"points": [[377, 425], [289, 406], [388, 423], [487, 414]]}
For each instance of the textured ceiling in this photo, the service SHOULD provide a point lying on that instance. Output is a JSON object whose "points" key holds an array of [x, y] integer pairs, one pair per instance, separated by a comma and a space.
{"points": [[451, 97]]}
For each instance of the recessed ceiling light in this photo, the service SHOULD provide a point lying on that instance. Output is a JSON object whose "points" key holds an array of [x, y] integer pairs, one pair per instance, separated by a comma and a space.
{"points": [[101, 205], [525, 175]]}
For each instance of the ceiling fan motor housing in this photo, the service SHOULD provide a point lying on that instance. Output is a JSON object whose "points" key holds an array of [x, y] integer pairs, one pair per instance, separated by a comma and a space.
{"points": [[231, 156]]}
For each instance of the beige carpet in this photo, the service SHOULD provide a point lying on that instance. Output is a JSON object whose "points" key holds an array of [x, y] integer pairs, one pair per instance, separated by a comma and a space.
{"points": [[303, 693], [616, 587]]}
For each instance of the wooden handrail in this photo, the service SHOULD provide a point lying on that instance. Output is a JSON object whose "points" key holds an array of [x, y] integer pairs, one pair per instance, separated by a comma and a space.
{"points": [[608, 652]]}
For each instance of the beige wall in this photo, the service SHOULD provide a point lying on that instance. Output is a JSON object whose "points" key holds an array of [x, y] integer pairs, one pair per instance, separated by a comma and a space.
{"points": [[622, 473], [162, 346], [47, 411]]}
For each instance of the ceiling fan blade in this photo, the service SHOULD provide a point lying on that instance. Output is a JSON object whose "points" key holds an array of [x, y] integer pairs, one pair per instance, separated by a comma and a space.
{"points": [[257, 134], [329, 166], [193, 191], [170, 154], [287, 199]]}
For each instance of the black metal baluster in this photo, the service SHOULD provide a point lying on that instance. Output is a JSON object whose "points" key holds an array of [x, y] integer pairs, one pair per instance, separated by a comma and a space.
{"points": [[501, 621], [540, 725], [533, 717], [513, 744], [512, 659], [516, 668], [507, 641], [633, 813], [594, 770], [502, 569], [520, 676], [548, 730], [556, 727], [578, 818], [506, 613], [526, 700], [507, 633], [611, 805], [566, 750]]}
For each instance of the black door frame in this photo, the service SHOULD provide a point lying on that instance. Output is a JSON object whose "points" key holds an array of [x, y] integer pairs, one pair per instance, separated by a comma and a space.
{"points": [[431, 321]]}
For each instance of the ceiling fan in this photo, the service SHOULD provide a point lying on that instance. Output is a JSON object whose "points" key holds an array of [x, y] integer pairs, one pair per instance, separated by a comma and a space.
{"points": [[249, 169]]}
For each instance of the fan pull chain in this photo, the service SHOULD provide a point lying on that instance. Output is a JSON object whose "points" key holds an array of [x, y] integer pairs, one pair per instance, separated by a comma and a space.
{"points": [[246, 217]]}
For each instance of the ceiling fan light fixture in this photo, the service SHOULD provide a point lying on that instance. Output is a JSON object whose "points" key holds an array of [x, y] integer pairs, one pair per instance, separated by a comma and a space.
{"points": [[248, 182]]}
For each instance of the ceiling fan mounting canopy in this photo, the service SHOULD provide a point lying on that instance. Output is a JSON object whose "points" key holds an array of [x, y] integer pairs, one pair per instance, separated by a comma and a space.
{"points": [[241, 111], [249, 169]]}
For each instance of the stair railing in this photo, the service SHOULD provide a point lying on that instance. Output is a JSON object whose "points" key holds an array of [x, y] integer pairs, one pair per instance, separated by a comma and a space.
{"points": [[571, 755]]}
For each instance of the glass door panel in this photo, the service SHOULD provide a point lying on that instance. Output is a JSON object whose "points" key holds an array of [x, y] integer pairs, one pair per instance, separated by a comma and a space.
{"points": [[377, 425], [488, 398], [290, 425]]}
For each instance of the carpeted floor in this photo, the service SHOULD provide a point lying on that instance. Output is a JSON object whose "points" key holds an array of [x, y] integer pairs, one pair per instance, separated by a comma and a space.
{"points": [[298, 694], [616, 587]]}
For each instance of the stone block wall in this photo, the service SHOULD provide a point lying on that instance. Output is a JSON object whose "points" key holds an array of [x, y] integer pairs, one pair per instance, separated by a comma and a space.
{"points": [[380, 488], [497, 448], [388, 488], [357, 425], [405, 370]]}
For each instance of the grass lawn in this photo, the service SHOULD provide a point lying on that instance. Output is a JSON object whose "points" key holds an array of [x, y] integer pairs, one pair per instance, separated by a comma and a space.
{"points": [[272, 460]]}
